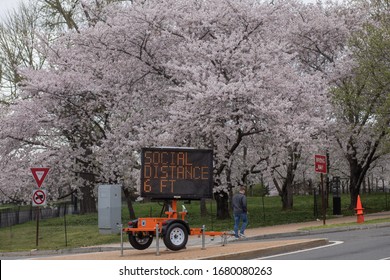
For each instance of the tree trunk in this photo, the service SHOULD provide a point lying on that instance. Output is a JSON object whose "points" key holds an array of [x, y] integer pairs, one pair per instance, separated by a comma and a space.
{"points": [[222, 199], [286, 192], [359, 168], [356, 172], [87, 201], [128, 195], [203, 208], [288, 187], [287, 195]]}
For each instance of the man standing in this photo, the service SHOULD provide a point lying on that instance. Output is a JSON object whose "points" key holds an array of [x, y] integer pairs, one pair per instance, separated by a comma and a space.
{"points": [[240, 212]]}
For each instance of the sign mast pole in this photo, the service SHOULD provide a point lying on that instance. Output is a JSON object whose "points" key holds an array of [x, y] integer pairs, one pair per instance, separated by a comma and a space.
{"points": [[323, 200], [37, 231], [39, 196], [320, 166]]}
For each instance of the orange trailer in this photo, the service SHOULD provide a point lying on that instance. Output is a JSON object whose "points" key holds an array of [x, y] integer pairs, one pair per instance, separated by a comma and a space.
{"points": [[173, 229]]}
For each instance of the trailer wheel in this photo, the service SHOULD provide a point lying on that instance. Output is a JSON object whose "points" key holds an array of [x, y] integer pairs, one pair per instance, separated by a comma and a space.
{"points": [[176, 237], [140, 240]]}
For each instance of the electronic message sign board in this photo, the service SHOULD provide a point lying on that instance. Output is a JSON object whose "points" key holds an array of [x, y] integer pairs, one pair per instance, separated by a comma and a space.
{"points": [[176, 173]]}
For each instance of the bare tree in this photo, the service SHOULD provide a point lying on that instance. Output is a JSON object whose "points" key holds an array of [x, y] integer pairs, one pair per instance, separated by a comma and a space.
{"points": [[19, 38]]}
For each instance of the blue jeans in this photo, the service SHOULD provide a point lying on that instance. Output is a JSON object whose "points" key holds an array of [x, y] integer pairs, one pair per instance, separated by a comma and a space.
{"points": [[237, 219]]}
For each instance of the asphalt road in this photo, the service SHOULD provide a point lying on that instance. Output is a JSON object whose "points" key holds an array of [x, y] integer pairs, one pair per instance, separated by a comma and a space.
{"points": [[363, 244]]}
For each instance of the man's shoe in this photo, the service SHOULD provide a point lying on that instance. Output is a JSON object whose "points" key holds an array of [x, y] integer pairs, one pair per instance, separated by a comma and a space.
{"points": [[241, 235]]}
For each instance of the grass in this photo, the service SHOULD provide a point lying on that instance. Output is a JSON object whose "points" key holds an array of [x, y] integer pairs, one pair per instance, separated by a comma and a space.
{"points": [[374, 221], [82, 230]]}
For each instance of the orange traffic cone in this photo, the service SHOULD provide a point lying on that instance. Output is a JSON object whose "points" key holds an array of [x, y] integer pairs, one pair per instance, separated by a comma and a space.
{"points": [[359, 211]]}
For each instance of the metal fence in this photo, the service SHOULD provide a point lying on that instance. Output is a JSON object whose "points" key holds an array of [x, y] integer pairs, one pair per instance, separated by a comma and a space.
{"points": [[18, 215]]}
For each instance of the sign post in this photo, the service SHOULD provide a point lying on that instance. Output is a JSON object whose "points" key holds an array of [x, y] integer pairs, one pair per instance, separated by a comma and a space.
{"points": [[39, 195], [320, 166]]}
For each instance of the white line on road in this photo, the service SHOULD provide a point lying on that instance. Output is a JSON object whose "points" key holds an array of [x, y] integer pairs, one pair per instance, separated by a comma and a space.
{"points": [[388, 258], [333, 243]]}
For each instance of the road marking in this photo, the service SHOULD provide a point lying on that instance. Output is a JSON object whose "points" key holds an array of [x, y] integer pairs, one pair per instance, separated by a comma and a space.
{"points": [[333, 243], [388, 258]]}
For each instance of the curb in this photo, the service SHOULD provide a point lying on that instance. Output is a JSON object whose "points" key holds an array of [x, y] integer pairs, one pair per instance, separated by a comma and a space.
{"points": [[262, 252], [38, 253], [318, 231]]}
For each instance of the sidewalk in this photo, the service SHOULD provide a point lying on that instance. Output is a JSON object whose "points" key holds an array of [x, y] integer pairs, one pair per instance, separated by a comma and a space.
{"points": [[259, 241], [296, 229]]}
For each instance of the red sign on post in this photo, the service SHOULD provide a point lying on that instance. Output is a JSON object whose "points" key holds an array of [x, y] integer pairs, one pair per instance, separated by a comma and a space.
{"points": [[39, 198], [320, 164], [39, 174]]}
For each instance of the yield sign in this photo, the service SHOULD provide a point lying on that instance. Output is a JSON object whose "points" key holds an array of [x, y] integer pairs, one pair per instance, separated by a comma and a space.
{"points": [[39, 174]]}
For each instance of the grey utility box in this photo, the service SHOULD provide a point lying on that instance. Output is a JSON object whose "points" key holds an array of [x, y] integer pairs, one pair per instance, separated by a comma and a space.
{"points": [[109, 208]]}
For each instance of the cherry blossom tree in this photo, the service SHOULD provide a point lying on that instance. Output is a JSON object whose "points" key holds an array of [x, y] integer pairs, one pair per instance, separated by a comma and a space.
{"points": [[243, 79], [361, 99], [56, 136], [319, 36], [248, 79]]}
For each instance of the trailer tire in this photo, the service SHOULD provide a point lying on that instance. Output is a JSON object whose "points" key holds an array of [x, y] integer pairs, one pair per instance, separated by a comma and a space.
{"points": [[176, 237], [140, 240]]}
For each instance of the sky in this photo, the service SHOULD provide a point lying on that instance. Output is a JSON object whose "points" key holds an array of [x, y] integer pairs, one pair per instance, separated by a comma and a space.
{"points": [[6, 6]]}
